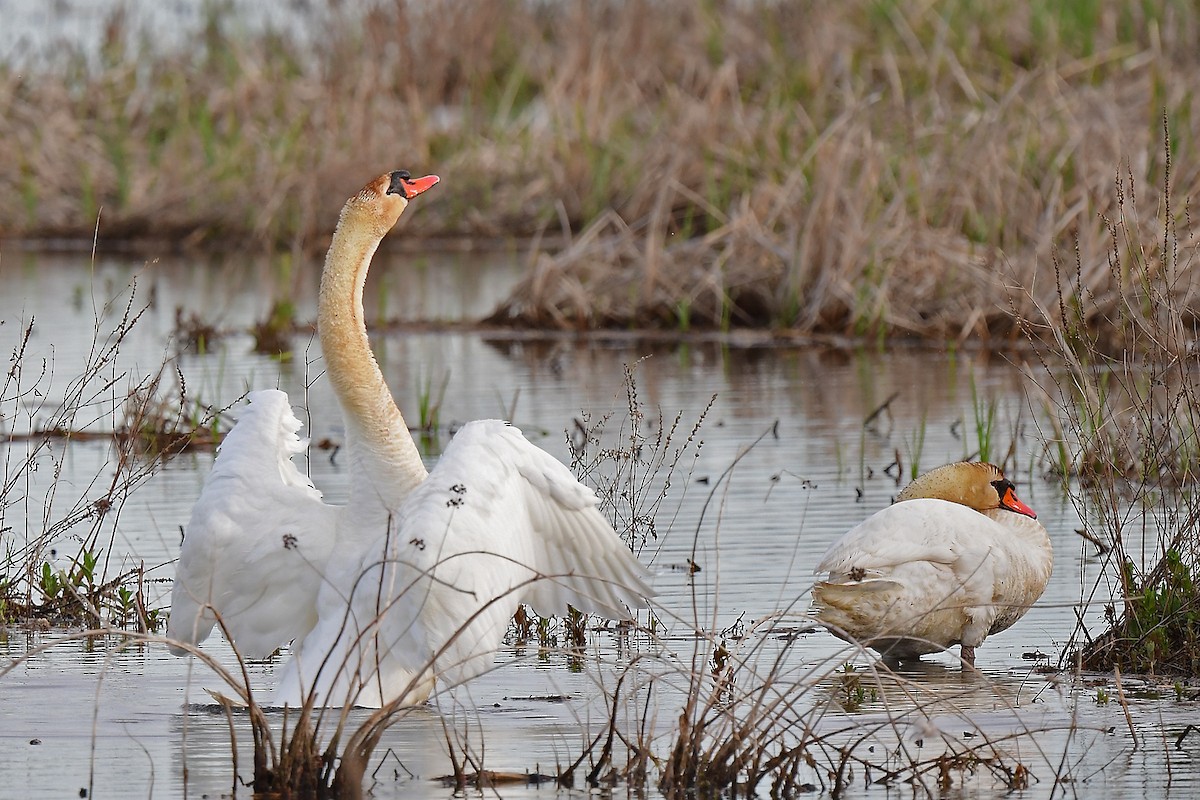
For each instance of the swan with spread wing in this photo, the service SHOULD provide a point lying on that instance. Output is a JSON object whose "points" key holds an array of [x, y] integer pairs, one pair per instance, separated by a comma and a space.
{"points": [[413, 580]]}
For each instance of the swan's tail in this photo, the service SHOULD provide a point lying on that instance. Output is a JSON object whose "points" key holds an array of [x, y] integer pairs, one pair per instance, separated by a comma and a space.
{"points": [[861, 609]]}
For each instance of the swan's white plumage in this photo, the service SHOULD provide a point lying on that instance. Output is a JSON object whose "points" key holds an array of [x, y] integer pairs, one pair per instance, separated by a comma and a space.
{"points": [[497, 522], [258, 539], [925, 574], [375, 592]]}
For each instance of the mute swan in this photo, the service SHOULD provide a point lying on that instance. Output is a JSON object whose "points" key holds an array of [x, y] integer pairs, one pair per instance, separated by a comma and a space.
{"points": [[958, 557], [416, 577]]}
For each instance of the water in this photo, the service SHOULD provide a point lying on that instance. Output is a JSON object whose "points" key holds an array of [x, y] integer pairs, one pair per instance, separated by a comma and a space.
{"points": [[785, 466], [36, 32]]}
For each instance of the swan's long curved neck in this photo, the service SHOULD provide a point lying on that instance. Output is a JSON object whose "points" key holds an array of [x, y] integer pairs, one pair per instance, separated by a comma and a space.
{"points": [[377, 436]]}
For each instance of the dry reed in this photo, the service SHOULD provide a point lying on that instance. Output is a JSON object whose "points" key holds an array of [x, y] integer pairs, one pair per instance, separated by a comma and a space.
{"points": [[860, 167], [1118, 366]]}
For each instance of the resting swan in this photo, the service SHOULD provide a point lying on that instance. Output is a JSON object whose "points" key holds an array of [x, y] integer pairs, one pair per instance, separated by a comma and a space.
{"points": [[958, 557], [415, 579]]}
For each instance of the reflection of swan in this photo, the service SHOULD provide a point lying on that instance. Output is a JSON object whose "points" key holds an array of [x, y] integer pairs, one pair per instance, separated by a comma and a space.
{"points": [[416, 569], [957, 558]]}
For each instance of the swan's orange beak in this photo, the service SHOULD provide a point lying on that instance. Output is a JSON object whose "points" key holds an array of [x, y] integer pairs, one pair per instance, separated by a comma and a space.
{"points": [[414, 186], [1010, 501]]}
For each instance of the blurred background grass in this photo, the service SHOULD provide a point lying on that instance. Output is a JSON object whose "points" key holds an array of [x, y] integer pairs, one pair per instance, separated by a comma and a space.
{"points": [[867, 167]]}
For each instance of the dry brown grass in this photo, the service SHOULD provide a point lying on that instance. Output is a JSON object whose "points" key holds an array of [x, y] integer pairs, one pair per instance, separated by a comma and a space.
{"points": [[861, 167], [918, 168], [1119, 371]]}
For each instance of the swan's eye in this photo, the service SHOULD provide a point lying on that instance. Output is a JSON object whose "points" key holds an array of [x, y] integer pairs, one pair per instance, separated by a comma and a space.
{"points": [[400, 178]]}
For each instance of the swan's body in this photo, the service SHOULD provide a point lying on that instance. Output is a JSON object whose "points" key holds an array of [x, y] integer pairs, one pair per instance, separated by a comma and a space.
{"points": [[416, 577], [955, 559]]}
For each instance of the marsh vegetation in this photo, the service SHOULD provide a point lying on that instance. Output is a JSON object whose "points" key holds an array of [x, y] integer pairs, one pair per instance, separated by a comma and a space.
{"points": [[1121, 378], [864, 168], [1010, 178]]}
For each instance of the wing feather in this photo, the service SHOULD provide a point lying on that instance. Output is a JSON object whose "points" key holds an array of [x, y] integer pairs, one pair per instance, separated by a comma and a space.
{"points": [[913, 530], [257, 540], [498, 522]]}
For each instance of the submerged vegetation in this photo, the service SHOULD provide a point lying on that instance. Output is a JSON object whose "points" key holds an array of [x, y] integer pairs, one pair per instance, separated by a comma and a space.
{"points": [[859, 168]]}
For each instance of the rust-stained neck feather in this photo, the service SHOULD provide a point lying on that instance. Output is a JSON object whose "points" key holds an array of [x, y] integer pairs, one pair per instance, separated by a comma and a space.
{"points": [[375, 426], [965, 482]]}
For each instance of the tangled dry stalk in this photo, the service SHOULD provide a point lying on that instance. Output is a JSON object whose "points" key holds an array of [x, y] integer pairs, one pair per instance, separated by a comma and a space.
{"points": [[1118, 366], [141, 419]]}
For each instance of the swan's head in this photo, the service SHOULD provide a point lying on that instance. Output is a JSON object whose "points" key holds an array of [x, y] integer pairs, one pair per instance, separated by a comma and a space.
{"points": [[384, 199], [975, 484]]}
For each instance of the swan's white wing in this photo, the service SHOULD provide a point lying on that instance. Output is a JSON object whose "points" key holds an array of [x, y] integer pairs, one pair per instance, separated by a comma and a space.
{"points": [[259, 535], [498, 522], [925, 530]]}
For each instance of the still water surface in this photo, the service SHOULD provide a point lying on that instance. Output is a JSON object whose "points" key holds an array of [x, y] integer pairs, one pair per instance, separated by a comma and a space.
{"points": [[781, 466]]}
